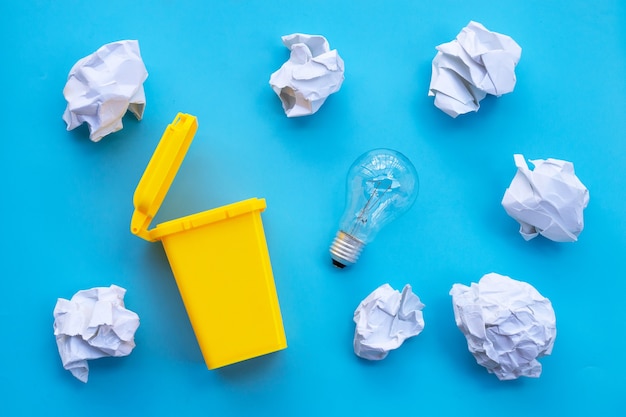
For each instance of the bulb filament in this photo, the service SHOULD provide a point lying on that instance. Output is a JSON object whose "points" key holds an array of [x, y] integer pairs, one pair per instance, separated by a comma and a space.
{"points": [[371, 201]]}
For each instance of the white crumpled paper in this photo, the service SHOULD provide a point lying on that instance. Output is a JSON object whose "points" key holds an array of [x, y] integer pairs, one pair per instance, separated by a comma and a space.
{"points": [[478, 62], [93, 324], [102, 86], [312, 73], [507, 324], [385, 319], [548, 200]]}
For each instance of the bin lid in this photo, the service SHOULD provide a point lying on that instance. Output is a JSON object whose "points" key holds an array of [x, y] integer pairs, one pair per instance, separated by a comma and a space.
{"points": [[161, 171]]}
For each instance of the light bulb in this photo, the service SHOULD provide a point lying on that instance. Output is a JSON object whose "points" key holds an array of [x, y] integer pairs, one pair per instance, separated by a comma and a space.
{"points": [[382, 185]]}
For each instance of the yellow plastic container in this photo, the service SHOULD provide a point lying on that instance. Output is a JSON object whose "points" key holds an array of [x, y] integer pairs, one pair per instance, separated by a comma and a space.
{"points": [[219, 259]]}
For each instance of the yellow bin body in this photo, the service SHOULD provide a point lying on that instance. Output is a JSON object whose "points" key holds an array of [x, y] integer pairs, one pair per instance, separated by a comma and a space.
{"points": [[219, 259]]}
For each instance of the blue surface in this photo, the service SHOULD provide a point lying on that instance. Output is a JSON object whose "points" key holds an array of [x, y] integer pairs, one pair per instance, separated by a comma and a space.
{"points": [[67, 203]]}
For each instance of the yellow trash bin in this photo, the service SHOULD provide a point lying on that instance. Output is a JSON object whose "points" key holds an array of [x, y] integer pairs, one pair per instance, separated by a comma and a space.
{"points": [[219, 259]]}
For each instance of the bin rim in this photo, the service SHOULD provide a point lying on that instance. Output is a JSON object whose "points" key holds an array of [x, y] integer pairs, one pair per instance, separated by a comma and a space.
{"points": [[207, 217]]}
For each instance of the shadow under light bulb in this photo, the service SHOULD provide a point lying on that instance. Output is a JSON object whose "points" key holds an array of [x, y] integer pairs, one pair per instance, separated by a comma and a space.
{"points": [[382, 184]]}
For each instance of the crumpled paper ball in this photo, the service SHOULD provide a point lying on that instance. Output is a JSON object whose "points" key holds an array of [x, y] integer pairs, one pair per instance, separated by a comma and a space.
{"points": [[478, 62], [385, 319], [103, 86], [312, 73], [548, 200], [93, 324], [507, 324]]}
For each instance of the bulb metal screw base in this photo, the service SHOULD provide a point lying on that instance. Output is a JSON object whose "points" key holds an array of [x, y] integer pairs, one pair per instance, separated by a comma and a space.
{"points": [[345, 250]]}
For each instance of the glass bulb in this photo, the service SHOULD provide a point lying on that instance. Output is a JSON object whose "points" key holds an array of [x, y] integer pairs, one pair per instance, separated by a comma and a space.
{"points": [[382, 185]]}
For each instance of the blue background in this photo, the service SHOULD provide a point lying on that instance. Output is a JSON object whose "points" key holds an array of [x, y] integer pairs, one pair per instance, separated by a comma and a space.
{"points": [[67, 202]]}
